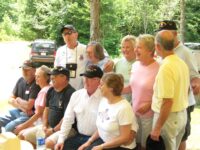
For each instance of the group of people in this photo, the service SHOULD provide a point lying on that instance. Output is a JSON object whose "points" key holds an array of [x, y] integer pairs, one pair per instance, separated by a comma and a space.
{"points": [[88, 102]]}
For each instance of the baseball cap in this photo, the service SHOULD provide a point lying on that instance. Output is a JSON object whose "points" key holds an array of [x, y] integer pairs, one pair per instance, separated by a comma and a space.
{"points": [[92, 71], [27, 64], [69, 27], [155, 145], [60, 70], [167, 25]]}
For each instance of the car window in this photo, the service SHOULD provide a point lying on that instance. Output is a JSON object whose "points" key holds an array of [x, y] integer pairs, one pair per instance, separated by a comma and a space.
{"points": [[44, 47]]}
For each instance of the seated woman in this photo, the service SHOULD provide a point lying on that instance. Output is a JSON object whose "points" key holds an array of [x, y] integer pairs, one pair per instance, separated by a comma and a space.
{"points": [[95, 55], [116, 122], [42, 79]]}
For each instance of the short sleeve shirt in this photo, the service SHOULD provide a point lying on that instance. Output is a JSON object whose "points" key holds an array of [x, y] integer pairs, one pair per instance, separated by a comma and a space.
{"points": [[57, 103], [25, 90]]}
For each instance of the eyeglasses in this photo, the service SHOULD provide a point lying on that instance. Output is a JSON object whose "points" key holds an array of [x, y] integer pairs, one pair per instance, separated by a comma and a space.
{"points": [[68, 33]]}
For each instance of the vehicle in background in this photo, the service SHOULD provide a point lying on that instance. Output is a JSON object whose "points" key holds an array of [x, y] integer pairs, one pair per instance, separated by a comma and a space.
{"points": [[195, 47], [43, 52]]}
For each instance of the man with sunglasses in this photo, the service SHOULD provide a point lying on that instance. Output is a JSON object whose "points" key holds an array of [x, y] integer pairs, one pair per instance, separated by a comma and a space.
{"points": [[73, 56]]}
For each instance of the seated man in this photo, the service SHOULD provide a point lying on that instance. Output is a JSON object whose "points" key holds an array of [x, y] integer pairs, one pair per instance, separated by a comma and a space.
{"points": [[23, 97], [83, 107], [56, 102]]}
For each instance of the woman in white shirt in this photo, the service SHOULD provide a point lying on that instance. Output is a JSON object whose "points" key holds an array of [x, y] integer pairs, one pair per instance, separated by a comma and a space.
{"points": [[116, 123]]}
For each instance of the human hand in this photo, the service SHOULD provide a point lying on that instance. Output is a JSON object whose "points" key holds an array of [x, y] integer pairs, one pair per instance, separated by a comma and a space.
{"points": [[144, 108], [85, 145], [48, 132], [155, 133], [59, 146], [19, 128], [108, 67], [98, 147]]}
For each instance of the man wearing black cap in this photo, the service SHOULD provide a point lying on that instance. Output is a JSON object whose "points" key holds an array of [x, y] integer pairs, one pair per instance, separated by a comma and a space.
{"points": [[23, 98], [56, 102], [83, 107], [73, 54], [186, 55]]}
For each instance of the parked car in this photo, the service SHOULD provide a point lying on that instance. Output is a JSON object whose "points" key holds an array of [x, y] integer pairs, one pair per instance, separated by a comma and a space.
{"points": [[43, 51], [195, 47]]}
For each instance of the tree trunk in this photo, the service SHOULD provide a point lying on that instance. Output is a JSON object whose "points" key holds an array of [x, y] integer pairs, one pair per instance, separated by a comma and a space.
{"points": [[182, 19], [94, 20]]}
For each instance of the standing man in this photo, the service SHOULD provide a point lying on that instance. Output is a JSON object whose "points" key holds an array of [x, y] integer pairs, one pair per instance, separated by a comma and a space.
{"points": [[23, 98], [186, 55], [83, 107], [73, 55], [170, 98]]}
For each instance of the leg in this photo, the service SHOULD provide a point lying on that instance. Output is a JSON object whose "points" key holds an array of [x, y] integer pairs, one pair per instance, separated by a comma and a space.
{"points": [[187, 128], [95, 143], [12, 124], [52, 140], [12, 115], [75, 142]]}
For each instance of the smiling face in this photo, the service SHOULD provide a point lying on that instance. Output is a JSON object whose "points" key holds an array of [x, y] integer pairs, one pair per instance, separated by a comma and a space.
{"points": [[127, 50], [69, 36]]}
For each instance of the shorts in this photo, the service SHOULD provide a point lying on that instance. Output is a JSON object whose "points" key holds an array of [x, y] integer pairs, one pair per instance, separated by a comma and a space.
{"points": [[188, 126]]}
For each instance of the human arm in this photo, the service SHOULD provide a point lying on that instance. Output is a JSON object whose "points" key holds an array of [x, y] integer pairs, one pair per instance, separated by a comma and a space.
{"points": [[30, 121], [108, 67], [126, 90], [163, 115], [89, 141], [145, 107], [195, 83]]}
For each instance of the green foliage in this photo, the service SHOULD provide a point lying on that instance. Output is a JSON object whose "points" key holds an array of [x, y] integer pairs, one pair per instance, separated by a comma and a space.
{"points": [[31, 19]]}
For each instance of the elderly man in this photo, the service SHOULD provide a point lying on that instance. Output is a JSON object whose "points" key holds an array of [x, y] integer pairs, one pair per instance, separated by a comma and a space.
{"points": [[56, 102], [170, 98], [23, 98], [73, 55], [186, 55], [83, 107]]}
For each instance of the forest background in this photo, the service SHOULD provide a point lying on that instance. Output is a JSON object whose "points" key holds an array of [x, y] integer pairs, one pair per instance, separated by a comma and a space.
{"points": [[32, 19]]}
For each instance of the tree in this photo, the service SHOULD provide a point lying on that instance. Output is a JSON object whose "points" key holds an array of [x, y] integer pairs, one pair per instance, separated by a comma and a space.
{"points": [[182, 19], [94, 20]]}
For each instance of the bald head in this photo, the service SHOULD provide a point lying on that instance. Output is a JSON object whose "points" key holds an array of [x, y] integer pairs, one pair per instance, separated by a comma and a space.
{"points": [[165, 39]]}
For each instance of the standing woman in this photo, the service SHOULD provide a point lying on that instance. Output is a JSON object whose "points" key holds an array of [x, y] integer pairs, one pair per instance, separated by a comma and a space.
{"points": [[116, 122], [143, 74], [42, 78]]}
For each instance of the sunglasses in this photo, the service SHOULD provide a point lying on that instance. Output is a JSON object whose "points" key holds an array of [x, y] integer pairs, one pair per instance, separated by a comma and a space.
{"points": [[68, 33]]}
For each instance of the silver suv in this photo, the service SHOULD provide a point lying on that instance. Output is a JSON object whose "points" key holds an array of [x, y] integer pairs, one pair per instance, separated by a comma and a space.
{"points": [[43, 51]]}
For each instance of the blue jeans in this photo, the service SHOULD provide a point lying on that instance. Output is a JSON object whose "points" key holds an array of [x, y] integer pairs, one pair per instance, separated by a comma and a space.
{"points": [[12, 120], [75, 142]]}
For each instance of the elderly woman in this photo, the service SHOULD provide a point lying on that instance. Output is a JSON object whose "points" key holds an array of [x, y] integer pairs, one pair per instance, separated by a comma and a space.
{"points": [[42, 79], [124, 64], [115, 119], [143, 74], [95, 54]]}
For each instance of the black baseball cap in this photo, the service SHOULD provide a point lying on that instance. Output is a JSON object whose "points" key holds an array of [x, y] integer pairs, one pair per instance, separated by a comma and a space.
{"points": [[167, 25], [69, 27], [92, 71], [60, 70], [155, 145]]}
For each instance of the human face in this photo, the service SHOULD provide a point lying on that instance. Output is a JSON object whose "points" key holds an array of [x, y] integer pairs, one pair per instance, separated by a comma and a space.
{"points": [[28, 74], [104, 88], [91, 84], [69, 36], [141, 52], [127, 50], [58, 80], [40, 78], [90, 54]]}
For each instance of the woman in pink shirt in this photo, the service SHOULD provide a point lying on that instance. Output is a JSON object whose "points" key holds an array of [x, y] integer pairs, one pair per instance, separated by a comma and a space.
{"points": [[42, 78], [143, 74]]}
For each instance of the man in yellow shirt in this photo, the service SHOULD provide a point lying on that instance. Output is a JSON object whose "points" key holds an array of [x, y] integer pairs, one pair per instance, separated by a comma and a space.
{"points": [[170, 98]]}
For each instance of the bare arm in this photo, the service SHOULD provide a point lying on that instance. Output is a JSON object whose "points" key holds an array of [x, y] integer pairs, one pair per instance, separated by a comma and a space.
{"points": [[164, 113], [195, 83], [45, 117], [25, 105], [126, 90], [123, 138]]}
